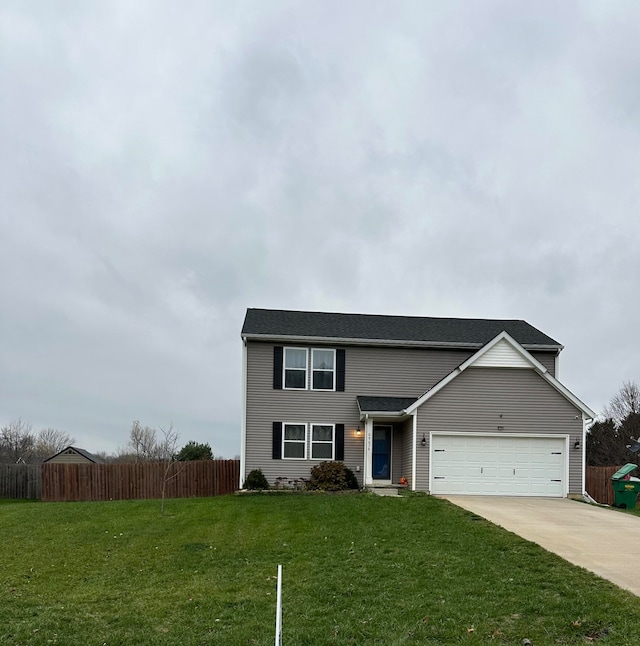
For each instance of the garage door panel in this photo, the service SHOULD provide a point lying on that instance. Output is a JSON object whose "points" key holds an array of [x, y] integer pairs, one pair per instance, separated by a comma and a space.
{"points": [[493, 465], [459, 472]]}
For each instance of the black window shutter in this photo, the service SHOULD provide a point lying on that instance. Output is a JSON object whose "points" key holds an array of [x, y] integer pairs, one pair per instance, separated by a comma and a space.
{"points": [[340, 442], [276, 451], [277, 367], [340, 370]]}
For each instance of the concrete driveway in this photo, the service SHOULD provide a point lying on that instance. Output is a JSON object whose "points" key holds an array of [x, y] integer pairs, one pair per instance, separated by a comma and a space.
{"points": [[604, 541]]}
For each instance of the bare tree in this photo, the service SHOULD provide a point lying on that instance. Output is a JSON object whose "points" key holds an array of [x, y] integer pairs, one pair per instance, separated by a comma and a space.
{"points": [[168, 448], [17, 442], [124, 455], [50, 441], [142, 442], [144, 446], [624, 403], [609, 440]]}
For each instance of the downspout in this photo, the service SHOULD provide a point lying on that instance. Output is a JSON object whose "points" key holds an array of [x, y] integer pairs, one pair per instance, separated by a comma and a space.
{"points": [[364, 449], [585, 493], [414, 415], [243, 423]]}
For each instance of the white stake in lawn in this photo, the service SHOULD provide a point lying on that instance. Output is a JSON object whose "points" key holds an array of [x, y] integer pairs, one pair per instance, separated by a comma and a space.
{"points": [[279, 609]]}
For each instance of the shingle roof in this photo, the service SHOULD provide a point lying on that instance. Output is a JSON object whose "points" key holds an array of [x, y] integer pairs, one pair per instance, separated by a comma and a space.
{"points": [[410, 329], [93, 458], [367, 403]]}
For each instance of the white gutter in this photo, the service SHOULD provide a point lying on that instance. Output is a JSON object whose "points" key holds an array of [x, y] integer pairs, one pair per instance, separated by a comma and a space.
{"points": [[399, 415], [243, 423], [584, 453], [386, 342]]}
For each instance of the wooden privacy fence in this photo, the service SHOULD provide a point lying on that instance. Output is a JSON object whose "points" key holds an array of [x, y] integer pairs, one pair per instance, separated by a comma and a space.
{"points": [[598, 483], [20, 481], [74, 482]]}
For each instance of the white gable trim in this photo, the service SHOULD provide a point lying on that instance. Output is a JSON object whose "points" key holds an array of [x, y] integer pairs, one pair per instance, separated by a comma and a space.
{"points": [[502, 355], [515, 350], [516, 354]]}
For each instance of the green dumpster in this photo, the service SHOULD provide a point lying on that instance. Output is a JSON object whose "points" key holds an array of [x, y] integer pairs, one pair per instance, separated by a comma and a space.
{"points": [[625, 488]]}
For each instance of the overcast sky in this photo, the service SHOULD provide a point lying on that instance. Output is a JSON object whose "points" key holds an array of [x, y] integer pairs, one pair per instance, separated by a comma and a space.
{"points": [[165, 165]]}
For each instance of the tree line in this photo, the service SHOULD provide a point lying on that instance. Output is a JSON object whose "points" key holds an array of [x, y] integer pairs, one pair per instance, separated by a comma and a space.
{"points": [[19, 443], [613, 440]]}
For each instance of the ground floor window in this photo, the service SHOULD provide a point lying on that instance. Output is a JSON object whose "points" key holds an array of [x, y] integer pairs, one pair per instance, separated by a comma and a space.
{"points": [[307, 441], [294, 441], [322, 445]]}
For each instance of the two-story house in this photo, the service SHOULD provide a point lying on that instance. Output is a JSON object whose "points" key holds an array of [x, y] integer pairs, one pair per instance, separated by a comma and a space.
{"points": [[469, 406]]}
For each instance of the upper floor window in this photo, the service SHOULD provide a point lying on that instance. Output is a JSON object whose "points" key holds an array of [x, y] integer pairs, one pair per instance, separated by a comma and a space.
{"points": [[323, 368], [292, 369], [295, 368]]}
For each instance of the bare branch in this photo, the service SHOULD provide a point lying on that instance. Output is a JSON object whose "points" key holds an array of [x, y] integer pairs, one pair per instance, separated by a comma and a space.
{"points": [[624, 403], [142, 442], [17, 442], [50, 441]]}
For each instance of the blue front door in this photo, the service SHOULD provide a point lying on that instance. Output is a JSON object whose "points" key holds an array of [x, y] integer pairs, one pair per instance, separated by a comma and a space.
{"points": [[381, 456]]}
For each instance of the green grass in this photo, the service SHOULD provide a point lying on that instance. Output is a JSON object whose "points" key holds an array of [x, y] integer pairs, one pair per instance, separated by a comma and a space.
{"points": [[358, 569]]}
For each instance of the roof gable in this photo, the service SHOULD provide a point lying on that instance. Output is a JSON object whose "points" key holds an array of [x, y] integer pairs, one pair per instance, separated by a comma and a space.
{"points": [[408, 330], [503, 352], [85, 454]]}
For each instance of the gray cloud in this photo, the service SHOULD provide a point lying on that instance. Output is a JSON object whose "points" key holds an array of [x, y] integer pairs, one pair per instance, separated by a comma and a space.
{"points": [[167, 166]]}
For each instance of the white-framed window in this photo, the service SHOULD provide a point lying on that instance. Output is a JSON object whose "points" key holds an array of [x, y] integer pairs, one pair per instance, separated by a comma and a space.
{"points": [[323, 369], [322, 441], [294, 367], [294, 441]]}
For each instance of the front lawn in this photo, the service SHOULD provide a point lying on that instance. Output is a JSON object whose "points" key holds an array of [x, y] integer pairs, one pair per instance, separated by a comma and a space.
{"points": [[358, 569]]}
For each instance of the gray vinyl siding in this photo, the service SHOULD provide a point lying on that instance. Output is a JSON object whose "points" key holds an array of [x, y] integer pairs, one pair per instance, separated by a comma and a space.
{"points": [[547, 359], [266, 405], [396, 453], [474, 401], [368, 371], [407, 444], [70, 458], [398, 372]]}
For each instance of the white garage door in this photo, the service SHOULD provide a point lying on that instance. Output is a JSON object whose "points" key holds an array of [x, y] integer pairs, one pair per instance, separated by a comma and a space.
{"points": [[500, 466]]}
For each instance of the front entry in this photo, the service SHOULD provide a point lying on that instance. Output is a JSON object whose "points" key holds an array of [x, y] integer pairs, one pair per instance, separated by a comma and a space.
{"points": [[381, 453]]}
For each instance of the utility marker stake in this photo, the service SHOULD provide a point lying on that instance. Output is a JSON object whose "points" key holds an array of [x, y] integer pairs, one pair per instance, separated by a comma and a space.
{"points": [[279, 609]]}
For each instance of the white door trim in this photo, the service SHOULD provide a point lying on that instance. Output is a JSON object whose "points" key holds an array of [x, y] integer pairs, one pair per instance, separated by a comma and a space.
{"points": [[378, 481], [368, 448]]}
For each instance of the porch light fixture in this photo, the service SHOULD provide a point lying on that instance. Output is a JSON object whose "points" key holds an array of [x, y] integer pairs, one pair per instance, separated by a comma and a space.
{"points": [[423, 441], [576, 444], [358, 431]]}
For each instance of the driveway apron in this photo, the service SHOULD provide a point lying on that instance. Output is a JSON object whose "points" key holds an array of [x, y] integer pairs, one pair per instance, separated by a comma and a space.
{"points": [[602, 540]]}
